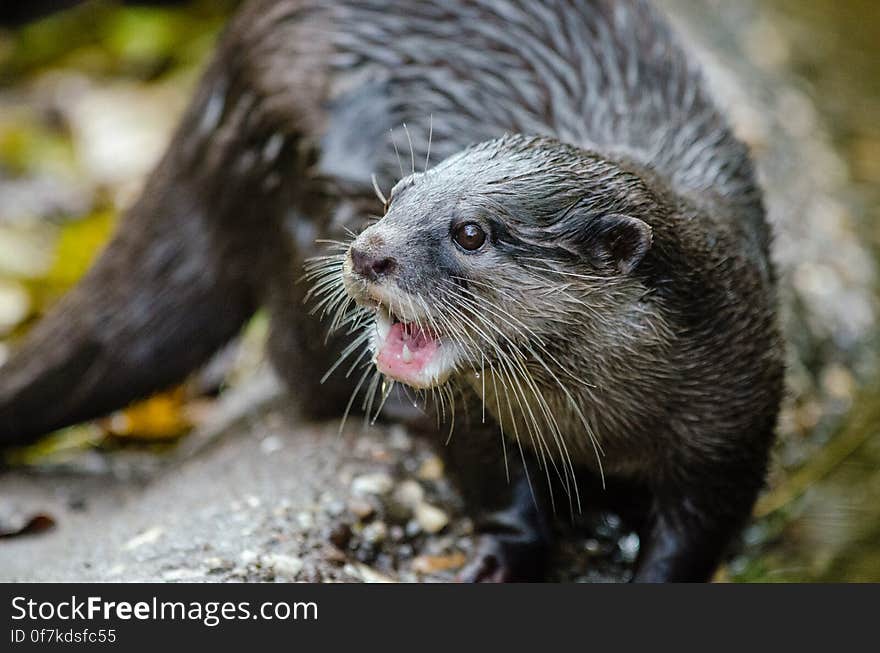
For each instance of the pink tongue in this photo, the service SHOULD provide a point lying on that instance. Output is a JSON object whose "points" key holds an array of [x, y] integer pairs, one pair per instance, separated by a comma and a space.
{"points": [[421, 346]]}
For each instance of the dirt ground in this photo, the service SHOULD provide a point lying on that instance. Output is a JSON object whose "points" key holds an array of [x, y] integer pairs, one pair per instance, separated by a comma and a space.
{"points": [[260, 496]]}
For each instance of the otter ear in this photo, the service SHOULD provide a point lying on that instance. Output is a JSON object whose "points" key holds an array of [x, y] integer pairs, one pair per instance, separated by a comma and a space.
{"points": [[618, 240]]}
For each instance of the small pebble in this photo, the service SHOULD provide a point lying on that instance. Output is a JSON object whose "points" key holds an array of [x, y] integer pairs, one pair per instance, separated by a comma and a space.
{"points": [[366, 553], [426, 564], [413, 528], [409, 493], [252, 501], [431, 469], [282, 565], [397, 513], [340, 535], [368, 574], [375, 533], [271, 444], [332, 554], [335, 508], [361, 508], [440, 545], [216, 565], [353, 571], [146, 537], [399, 439], [376, 484], [305, 520], [629, 546], [592, 546], [838, 382], [396, 533], [431, 518]]}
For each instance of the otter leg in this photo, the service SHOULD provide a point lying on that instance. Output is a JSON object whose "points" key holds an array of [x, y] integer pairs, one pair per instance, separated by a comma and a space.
{"points": [[685, 536], [509, 515], [183, 273], [300, 349], [512, 541]]}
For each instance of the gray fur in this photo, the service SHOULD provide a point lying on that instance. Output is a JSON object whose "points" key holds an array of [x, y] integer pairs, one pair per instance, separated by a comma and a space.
{"points": [[651, 357]]}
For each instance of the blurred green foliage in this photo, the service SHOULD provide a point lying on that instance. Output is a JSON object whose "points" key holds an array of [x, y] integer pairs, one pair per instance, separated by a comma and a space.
{"points": [[134, 52], [102, 37]]}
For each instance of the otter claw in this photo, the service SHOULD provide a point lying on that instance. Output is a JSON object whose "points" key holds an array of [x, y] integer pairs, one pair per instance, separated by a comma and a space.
{"points": [[484, 568], [500, 562]]}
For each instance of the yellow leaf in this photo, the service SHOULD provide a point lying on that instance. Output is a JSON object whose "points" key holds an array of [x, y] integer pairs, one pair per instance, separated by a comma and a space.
{"points": [[162, 416], [78, 244]]}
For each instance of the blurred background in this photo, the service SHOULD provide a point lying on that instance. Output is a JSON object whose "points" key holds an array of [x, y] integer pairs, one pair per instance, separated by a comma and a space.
{"points": [[88, 99]]}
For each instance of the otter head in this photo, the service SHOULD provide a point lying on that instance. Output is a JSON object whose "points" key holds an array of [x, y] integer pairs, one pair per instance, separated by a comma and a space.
{"points": [[495, 258]]}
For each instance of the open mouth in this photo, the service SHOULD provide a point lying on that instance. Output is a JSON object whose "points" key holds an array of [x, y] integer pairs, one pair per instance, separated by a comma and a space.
{"points": [[410, 352]]}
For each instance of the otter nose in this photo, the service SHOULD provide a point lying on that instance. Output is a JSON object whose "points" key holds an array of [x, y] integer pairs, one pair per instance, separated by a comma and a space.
{"points": [[370, 266]]}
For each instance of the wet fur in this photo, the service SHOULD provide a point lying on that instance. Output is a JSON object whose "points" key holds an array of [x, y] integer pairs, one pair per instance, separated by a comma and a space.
{"points": [[681, 356]]}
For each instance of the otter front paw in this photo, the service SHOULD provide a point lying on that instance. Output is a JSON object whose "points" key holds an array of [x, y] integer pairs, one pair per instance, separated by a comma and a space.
{"points": [[499, 559]]}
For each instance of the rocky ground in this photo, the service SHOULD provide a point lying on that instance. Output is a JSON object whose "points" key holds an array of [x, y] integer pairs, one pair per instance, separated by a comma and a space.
{"points": [[258, 496]]}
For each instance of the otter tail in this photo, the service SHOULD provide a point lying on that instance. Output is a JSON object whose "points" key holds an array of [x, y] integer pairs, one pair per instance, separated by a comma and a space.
{"points": [[175, 283], [167, 292]]}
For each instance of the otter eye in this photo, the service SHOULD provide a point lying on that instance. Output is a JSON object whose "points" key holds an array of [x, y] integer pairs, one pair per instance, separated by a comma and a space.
{"points": [[469, 236]]}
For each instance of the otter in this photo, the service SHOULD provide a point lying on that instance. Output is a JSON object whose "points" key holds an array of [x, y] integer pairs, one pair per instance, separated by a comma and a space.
{"points": [[581, 286]]}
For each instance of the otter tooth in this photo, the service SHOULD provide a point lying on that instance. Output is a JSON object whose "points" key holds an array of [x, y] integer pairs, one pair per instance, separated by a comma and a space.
{"points": [[407, 354]]}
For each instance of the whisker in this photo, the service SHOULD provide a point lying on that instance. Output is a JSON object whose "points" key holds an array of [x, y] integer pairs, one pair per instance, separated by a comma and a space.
{"points": [[387, 387], [412, 155], [396, 152], [354, 394], [357, 342], [430, 137], [378, 190]]}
